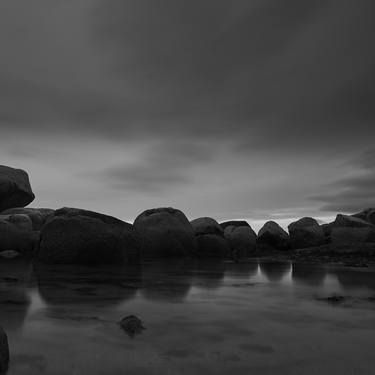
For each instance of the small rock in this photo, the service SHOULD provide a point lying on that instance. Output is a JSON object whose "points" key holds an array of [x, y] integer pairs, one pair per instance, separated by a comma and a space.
{"points": [[132, 325], [334, 299], [9, 254]]}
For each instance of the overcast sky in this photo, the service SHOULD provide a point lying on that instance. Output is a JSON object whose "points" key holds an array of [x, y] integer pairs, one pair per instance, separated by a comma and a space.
{"points": [[232, 109]]}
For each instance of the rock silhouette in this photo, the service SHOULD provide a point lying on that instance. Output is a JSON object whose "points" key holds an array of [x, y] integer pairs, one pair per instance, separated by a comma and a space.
{"points": [[38, 216], [75, 236], [210, 238], [166, 232], [273, 237], [242, 240], [15, 188], [367, 215], [306, 232]]}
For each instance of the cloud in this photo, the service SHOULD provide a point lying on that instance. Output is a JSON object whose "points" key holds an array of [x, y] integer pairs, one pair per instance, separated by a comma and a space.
{"points": [[161, 168], [354, 192]]}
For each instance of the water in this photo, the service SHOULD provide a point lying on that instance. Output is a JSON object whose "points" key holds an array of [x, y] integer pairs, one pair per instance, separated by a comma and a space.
{"points": [[255, 318]]}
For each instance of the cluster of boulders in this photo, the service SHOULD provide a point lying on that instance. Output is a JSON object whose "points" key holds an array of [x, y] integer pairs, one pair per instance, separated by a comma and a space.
{"points": [[77, 236]]}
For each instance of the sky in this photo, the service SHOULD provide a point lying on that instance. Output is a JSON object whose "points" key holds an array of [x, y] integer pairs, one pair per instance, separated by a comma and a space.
{"points": [[259, 109]]}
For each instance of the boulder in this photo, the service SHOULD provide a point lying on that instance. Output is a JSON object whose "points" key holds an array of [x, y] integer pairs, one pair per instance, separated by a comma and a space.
{"points": [[212, 246], [38, 216], [15, 189], [206, 225], [235, 223], [17, 234], [210, 238], [306, 232], [242, 240], [166, 232], [4, 352], [367, 215], [272, 236], [76, 236], [346, 221], [347, 236]]}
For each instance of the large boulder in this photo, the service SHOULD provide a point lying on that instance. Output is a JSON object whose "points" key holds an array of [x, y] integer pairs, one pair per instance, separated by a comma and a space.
{"points": [[346, 236], [15, 189], [38, 216], [76, 236], [306, 232], [242, 240], [16, 233], [367, 215], [166, 232], [210, 238], [272, 237], [4, 352]]}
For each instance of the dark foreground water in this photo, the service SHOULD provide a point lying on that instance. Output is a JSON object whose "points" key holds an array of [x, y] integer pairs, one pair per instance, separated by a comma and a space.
{"points": [[255, 318]]}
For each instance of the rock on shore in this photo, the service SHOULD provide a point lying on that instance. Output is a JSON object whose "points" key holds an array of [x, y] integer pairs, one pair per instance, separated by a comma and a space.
{"points": [[241, 238], [15, 189], [210, 238], [166, 232], [272, 236], [76, 236], [306, 232], [38, 216]]}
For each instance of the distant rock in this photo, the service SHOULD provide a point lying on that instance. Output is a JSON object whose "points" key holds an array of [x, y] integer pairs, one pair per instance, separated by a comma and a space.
{"points": [[15, 189], [234, 223], [347, 221], [366, 215], [17, 234], [4, 352], [242, 240], [305, 233], [76, 236], [38, 216], [210, 238], [166, 232], [272, 236]]}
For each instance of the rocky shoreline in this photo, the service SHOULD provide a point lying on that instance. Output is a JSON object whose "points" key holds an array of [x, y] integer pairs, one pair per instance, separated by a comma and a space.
{"points": [[78, 236]]}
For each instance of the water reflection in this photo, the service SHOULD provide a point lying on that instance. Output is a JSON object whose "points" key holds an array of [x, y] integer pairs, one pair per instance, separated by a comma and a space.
{"points": [[350, 279], [167, 281], [274, 271], [241, 270], [85, 285], [209, 274], [308, 274], [15, 282]]}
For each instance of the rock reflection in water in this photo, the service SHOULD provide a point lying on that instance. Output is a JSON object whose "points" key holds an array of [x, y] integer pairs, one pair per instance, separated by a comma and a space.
{"points": [[241, 270], [15, 281], [350, 279], [168, 281], [209, 274], [308, 274], [274, 271], [102, 286]]}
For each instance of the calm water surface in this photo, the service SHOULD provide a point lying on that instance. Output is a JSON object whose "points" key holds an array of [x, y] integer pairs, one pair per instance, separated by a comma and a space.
{"points": [[254, 318]]}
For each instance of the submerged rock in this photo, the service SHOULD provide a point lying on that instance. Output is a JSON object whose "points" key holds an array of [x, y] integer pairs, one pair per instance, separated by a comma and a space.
{"points": [[4, 351], [76, 236], [272, 236], [15, 189], [166, 232], [210, 238], [132, 325], [305, 233]]}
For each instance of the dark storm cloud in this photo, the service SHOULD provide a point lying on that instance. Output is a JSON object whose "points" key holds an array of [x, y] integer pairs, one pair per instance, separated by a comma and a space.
{"points": [[353, 193], [251, 72]]}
